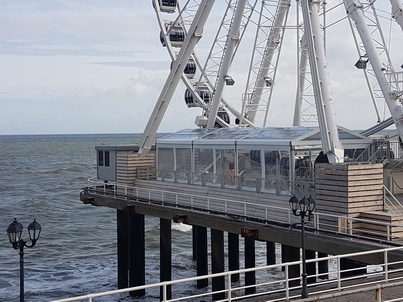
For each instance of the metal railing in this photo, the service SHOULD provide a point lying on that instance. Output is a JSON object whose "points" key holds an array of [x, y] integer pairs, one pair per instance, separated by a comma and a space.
{"points": [[392, 204], [254, 212], [247, 181], [275, 283]]}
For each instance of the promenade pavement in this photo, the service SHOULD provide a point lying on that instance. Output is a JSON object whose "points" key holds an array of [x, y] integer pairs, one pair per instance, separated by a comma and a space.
{"points": [[381, 292]]}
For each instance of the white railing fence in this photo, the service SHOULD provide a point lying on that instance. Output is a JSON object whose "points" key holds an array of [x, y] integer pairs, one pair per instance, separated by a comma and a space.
{"points": [[260, 213], [282, 287]]}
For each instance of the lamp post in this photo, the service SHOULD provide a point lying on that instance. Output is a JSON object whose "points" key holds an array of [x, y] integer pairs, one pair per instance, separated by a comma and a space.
{"points": [[14, 232], [303, 208]]}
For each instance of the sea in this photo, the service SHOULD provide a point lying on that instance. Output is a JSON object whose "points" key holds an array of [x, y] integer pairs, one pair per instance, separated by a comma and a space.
{"points": [[41, 177]]}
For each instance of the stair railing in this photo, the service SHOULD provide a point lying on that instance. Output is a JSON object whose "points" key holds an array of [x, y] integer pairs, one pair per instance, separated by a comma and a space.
{"points": [[391, 203]]}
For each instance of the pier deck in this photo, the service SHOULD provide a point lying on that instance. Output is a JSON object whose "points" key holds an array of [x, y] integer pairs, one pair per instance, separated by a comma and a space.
{"points": [[230, 211]]}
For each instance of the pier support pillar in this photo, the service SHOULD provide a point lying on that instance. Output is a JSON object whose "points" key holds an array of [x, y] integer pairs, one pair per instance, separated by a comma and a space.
{"points": [[165, 256], [250, 257], [194, 243], [310, 267], [290, 254], [137, 257], [271, 253], [202, 261], [123, 249], [323, 267], [233, 255], [217, 262]]}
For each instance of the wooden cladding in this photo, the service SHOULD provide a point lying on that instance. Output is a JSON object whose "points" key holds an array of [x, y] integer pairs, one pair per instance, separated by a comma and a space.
{"points": [[349, 189], [131, 166]]}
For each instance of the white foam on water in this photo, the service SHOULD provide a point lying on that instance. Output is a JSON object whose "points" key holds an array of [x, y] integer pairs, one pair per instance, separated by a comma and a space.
{"points": [[181, 227]]}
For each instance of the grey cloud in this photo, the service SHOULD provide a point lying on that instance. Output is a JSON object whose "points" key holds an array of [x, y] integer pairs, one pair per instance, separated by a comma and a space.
{"points": [[147, 65]]}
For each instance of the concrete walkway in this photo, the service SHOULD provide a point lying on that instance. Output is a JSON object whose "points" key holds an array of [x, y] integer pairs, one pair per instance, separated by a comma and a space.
{"points": [[380, 292]]}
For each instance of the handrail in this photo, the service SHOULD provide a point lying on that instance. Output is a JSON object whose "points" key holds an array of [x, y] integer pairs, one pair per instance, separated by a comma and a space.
{"points": [[392, 205], [255, 212], [277, 289]]}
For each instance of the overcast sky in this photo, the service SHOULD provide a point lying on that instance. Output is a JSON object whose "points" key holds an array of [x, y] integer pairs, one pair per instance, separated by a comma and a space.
{"points": [[97, 66]]}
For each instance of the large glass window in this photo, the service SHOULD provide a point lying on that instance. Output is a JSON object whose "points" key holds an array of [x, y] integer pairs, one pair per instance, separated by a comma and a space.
{"points": [[203, 159], [166, 162], [107, 159], [183, 158], [100, 158]]}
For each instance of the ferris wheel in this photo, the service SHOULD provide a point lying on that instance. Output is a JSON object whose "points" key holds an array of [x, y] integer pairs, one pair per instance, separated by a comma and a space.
{"points": [[261, 25], [205, 79]]}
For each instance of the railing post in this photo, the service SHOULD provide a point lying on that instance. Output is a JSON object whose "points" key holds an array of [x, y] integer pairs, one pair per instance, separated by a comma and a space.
{"points": [[350, 226], [164, 292], [386, 266], [229, 291], [338, 274], [388, 233], [287, 283]]}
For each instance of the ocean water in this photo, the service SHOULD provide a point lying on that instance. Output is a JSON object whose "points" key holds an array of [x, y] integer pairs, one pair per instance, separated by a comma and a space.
{"points": [[41, 177]]}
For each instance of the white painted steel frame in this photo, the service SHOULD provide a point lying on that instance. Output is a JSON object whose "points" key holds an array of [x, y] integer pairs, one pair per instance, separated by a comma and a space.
{"points": [[232, 40], [252, 99], [355, 10], [193, 36], [332, 146], [397, 11]]}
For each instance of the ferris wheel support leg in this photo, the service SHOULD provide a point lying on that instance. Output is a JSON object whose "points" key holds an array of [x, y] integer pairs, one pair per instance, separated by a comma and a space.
{"points": [[232, 40], [272, 45], [193, 36], [303, 61], [332, 146], [397, 11], [355, 11]]}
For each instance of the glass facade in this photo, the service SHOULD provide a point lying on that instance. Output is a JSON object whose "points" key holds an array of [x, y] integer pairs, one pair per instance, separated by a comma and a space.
{"points": [[274, 160]]}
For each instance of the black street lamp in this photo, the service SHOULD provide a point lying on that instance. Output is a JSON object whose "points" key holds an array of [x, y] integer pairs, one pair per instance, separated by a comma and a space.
{"points": [[14, 232], [303, 208]]}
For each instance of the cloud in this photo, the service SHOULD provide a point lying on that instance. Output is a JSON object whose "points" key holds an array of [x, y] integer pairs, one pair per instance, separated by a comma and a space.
{"points": [[98, 66], [146, 65]]}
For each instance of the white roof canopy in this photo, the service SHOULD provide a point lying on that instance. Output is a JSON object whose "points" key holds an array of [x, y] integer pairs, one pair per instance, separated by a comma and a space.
{"points": [[269, 138]]}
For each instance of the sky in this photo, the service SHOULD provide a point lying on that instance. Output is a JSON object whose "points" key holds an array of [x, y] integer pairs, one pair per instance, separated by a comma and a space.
{"points": [[97, 66]]}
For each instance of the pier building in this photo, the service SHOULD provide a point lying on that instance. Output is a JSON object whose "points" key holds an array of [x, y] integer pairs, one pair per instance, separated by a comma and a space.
{"points": [[238, 182], [233, 176]]}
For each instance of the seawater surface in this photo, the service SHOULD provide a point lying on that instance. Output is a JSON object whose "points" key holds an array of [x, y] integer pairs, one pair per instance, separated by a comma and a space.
{"points": [[41, 177]]}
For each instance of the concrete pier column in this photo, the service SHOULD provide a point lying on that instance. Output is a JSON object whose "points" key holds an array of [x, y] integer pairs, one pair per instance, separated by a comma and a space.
{"points": [[310, 267], [194, 243], [202, 261], [217, 262], [250, 259], [233, 255], [290, 254], [137, 270], [165, 256], [123, 249], [323, 267], [271, 253]]}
